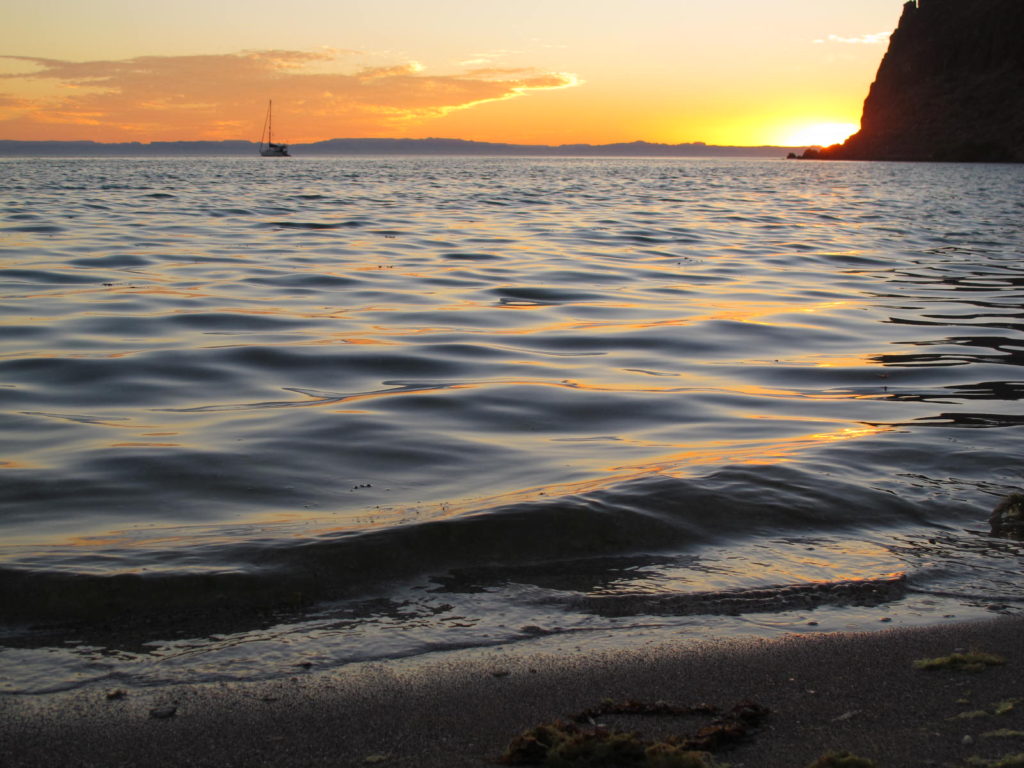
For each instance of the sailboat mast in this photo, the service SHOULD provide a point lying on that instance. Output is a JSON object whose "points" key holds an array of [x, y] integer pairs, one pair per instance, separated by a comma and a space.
{"points": [[263, 133], [270, 121]]}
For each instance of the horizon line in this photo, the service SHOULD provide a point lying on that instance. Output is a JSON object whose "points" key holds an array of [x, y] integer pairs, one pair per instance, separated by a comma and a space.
{"points": [[633, 142]]}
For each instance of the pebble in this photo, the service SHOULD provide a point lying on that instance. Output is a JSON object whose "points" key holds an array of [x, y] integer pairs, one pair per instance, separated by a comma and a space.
{"points": [[162, 713]]}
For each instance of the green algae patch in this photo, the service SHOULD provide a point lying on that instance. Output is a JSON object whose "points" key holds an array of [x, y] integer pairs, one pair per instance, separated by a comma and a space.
{"points": [[1006, 706], [971, 715], [1003, 733], [973, 661], [842, 760], [1006, 761]]}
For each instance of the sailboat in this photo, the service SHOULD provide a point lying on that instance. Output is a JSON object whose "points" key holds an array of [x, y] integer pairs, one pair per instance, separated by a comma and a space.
{"points": [[269, 148]]}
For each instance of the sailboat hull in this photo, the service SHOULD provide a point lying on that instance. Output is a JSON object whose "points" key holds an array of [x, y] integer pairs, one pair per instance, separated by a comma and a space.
{"points": [[275, 151]]}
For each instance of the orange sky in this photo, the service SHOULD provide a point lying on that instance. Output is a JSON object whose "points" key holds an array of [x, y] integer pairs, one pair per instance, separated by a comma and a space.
{"points": [[530, 71]]}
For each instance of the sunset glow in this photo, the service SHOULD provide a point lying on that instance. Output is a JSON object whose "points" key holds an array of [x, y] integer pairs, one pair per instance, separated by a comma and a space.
{"points": [[821, 134], [531, 72]]}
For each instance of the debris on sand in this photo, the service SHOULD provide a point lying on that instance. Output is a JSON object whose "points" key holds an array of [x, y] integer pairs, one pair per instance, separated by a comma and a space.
{"points": [[583, 742], [972, 661], [842, 760]]}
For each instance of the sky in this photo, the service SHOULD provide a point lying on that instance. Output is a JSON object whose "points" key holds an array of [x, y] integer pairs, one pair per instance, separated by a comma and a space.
{"points": [[745, 72]]}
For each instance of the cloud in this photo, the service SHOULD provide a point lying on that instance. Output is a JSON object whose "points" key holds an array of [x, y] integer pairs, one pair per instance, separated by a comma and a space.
{"points": [[871, 39], [13, 102], [398, 70], [489, 57], [222, 96]]}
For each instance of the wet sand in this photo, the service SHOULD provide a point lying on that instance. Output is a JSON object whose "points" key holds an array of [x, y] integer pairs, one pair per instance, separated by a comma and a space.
{"points": [[856, 692]]}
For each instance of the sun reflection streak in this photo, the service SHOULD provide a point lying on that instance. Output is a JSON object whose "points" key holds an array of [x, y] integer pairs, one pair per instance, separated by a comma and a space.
{"points": [[738, 452], [317, 523]]}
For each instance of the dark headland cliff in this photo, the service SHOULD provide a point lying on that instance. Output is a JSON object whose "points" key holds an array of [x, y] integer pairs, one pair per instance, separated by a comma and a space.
{"points": [[950, 87]]}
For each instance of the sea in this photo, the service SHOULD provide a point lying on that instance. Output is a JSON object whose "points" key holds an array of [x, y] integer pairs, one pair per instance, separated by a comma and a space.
{"points": [[342, 410]]}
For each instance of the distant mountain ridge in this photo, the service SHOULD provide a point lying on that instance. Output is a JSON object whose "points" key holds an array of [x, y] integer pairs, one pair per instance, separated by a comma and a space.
{"points": [[11, 148]]}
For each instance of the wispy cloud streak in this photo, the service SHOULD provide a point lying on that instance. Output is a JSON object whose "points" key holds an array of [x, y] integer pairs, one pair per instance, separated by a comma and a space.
{"points": [[220, 96], [872, 39]]}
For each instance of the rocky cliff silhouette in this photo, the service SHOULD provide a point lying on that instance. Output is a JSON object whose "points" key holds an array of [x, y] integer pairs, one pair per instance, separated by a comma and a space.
{"points": [[950, 87]]}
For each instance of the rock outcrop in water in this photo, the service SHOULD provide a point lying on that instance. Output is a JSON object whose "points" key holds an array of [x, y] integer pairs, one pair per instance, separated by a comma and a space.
{"points": [[950, 87], [1007, 518]]}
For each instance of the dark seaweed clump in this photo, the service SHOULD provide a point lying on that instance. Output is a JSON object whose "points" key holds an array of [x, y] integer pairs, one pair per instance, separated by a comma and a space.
{"points": [[974, 661], [842, 760], [580, 742]]}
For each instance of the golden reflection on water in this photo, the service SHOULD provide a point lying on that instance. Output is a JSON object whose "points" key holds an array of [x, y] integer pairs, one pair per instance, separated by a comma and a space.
{"points": [[145, 445], [320, 522], [707, 327], [738, 452]]}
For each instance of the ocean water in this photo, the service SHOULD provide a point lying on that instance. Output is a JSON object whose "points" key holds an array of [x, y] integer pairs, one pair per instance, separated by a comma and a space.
{"points": [[333, 410]]}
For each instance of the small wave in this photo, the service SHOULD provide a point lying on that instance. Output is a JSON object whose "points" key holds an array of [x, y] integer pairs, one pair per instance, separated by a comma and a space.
{"points": [[543, 295], [316, 225], [649, 515], [219, 212], [318, 397], [45, 277], [311, 282], [115, 261], [471, 257], [231, 321], [77, 418], [40, 229], [962, 420], [788, 597]]}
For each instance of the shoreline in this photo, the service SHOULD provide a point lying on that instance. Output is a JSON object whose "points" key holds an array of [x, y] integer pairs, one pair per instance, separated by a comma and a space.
{"points": [[826, 692]]}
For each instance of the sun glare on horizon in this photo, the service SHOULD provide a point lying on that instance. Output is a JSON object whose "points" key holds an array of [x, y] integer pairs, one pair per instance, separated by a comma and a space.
{"points": [[821, 134]]}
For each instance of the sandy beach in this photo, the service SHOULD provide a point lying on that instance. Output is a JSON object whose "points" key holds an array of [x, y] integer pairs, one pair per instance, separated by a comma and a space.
{"points": [[826, 693]]}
